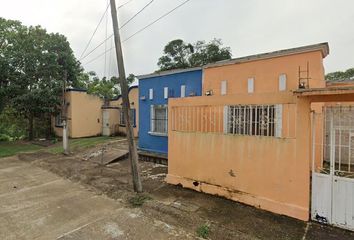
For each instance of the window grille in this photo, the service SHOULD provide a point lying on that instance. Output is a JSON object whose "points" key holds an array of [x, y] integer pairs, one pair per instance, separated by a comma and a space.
{"points": [[159, 119], [132, 117], [253, 120]]}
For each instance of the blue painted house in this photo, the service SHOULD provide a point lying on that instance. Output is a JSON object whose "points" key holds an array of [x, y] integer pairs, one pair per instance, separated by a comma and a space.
{"points": [[154, 91]]}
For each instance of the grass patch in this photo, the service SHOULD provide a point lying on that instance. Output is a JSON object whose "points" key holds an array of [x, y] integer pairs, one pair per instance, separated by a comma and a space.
{"points": [[79, 143], [139, 199], [12, 148], [203, 231]]}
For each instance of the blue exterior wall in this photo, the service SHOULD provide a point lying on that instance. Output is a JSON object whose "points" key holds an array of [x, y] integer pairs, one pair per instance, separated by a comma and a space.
{"points": [[193, 82]]}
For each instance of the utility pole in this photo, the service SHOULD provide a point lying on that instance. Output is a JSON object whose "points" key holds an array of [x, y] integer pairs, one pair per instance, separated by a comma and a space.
{"points": [[65, 117], [133, 154]]}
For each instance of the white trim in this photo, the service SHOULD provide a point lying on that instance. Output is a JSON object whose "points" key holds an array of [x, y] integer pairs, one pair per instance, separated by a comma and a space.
{"points": [[183, 91], [165, 92], [226, 118], [223, 87], [158, 134], [151, 93], [250, 85], [278, 120], [282, 82]]}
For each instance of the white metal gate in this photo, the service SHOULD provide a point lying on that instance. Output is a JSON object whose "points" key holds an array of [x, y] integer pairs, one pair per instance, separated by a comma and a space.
{"points": [[333, 167], [105, 123]]}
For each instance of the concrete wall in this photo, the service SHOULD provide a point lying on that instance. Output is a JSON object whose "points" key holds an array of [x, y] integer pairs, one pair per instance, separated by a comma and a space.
{"points": [[193, 82], [272, 173], [115, 113], [265, 73], [84, 113]]}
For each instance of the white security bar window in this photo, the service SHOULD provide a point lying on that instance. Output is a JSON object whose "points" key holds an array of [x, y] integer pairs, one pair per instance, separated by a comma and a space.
{"points": [[183, 90], [151, 93], [253, 120], [122, 118], [250, 85], [223, 87], [165, 92], [158, 119], [282, 82]]}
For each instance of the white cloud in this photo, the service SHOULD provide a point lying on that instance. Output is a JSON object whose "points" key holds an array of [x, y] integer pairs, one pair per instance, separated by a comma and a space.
{"points": [[248, 27]]}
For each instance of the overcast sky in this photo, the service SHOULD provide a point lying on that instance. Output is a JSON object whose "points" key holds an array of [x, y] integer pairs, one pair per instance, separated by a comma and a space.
{"points": [[247, 26]]}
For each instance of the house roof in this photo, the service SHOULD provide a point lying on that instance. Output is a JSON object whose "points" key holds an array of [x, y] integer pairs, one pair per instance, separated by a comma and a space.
{"points": [[339, 81], [119, 96], [169, 72], [323, 47]]}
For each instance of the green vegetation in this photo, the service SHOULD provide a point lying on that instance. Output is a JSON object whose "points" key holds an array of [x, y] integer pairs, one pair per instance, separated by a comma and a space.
{"points": [[13, 148], [338, 75], [178, 54], [79, 143], [139, 199], [203, 231], [33, 64]]}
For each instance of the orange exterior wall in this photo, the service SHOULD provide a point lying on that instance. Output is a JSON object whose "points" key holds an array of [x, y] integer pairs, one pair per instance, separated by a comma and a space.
{"points": [[84, 113], [134, 104], [266, 73], [267, 172]]}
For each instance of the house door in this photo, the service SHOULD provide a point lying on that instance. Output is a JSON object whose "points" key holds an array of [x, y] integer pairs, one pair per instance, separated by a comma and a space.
{"points": [[333, 181], [105, 123]]}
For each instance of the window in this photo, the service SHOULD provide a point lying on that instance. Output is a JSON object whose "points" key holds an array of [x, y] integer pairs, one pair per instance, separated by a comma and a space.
{"points": [[253, 120], [122, 118], [158, 119], [165, 92], [250, 84], [183, 91], [223, 87], [282, 82], [151, 93], [58, 120]]}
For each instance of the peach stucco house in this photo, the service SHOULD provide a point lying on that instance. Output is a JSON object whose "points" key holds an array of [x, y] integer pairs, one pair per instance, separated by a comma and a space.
{"points": [[89, 115]]}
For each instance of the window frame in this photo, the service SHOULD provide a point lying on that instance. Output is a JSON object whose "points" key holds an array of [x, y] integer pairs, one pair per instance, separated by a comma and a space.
{"points": [[153, 120]]}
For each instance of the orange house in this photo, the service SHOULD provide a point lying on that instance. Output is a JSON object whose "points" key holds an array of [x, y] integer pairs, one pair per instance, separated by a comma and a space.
{"points": [[249, 138]]}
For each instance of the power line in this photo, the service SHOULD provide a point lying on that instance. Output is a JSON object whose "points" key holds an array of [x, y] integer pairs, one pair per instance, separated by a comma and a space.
{"points": [[99, 23], [152, 23], [124, 24], [136, 14], [137, 32], [94, 32]]}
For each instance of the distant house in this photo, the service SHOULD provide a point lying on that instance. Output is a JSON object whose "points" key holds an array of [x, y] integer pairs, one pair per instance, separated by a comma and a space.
{"points": [[113, 117], [154, 91], [83, 112], [89, 115]]}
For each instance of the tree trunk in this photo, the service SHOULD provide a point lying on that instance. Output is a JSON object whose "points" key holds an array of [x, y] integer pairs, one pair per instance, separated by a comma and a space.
{"points": [[30, 127], [49, 126]]}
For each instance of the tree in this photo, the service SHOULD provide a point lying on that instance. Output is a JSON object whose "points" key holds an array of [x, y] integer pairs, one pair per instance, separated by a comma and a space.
{"points": [[178, 54], [211, 52], [33, 65], [105, 88], [348, 74]]}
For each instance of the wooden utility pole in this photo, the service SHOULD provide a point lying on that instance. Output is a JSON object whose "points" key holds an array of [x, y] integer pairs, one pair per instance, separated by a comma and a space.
{"points": [[133, 154]]}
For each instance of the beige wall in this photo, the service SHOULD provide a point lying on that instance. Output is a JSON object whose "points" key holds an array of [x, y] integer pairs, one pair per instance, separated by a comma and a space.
{"points": [[134, 104], [267, 172], [84, 113]]}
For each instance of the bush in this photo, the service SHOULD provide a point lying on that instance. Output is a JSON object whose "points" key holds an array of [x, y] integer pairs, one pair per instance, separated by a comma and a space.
{"points": [[139, 199], [203, 231], [4, 138]]}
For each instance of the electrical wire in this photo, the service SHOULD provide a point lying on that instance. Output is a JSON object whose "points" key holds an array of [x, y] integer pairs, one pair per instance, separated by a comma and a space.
{"points": [[110, 36], [137, 32]]}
